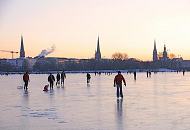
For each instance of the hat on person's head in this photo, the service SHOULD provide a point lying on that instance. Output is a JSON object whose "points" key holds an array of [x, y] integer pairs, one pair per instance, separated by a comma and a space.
{"points": [[119, 72]]}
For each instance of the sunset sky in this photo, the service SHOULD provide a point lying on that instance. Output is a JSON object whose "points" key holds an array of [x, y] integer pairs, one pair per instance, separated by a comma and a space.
{"points": [[127, 26]]}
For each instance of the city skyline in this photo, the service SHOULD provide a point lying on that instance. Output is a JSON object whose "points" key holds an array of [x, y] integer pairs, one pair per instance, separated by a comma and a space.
{"points": [[97, 55], [73, 26]]}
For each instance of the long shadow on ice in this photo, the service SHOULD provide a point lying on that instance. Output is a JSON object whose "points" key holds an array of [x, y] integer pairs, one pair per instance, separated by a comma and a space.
{"points": [[119, 114]]}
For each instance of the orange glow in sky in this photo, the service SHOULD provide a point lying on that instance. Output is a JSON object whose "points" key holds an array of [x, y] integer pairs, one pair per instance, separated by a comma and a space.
{"points": [[127, 26]]}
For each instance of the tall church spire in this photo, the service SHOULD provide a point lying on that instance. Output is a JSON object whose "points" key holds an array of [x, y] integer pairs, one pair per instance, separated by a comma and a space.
{"points": [[165, 54], [164, 47], [98, 53], [154, 44], [22, 52], [98, 46], [155, 56]]}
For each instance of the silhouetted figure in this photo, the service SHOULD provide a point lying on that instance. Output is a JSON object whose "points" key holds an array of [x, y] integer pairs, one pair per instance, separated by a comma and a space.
{"points": [[183, 72], [147, 74], [63, 77], [135, 75], [58, 77], [118, 83], [88, 78], [46, 88], [26, 80], [51, 80]]}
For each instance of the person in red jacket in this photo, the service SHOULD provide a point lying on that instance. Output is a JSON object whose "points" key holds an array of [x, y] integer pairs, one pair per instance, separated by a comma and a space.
{"points": [[26, 80], [118, 83]]}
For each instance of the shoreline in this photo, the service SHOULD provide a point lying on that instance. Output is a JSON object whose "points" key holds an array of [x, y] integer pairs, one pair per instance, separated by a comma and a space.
{"points": [[97, 71]]}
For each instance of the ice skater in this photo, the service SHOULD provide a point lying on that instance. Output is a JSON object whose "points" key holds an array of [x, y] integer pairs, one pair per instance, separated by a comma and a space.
{"points": [[147, 74], [88, 78], [63, 77], [135, 75], [26, 79], [58, 79], [118, 83], [51, 80], [183, 72]]}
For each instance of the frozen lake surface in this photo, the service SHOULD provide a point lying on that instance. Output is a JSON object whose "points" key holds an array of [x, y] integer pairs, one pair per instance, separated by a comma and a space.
{"points": [[161, 102]]}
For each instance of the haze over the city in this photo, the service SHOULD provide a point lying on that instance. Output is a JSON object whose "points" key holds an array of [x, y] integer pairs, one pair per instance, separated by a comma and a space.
{"points": [[73, 26]]}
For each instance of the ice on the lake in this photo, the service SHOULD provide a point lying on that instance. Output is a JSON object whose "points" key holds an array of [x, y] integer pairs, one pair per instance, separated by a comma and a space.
{"points": [[161, 102]]}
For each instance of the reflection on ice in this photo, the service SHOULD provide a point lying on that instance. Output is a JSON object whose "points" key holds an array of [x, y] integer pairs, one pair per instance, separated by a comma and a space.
{"points": [[88, 85], [25, 92], [51, 92], [120, 115], [119, 107]]}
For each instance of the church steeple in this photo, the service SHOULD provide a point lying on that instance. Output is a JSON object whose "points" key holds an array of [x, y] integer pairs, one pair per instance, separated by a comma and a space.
{"points": [[98, 46], [154, 44], [98, 53], [164, 47], [165, 54], [155, 56], [22, 52]]}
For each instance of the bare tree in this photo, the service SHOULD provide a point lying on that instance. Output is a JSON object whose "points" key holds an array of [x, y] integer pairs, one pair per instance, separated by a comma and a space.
{"points": [[172, 55], [119, 56]]}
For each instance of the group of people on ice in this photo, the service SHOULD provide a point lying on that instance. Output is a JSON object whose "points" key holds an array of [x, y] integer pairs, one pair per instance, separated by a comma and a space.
{"points": [[60, 79], [51, 79]]}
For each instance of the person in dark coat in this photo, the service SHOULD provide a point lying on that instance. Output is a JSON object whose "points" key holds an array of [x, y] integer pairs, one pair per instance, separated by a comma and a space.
{"points": [[183, 72], [63, 77], [58, 77], [147, 74], [135, 75], [51, 80], [88, 78], [46, 88]]}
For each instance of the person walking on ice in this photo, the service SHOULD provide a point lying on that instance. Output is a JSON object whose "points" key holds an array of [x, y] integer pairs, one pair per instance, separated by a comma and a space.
{"points": [[51, 80], [118, 83], [88, 78], [58, 79], [135, 75], [63, 77], [26, 80]]}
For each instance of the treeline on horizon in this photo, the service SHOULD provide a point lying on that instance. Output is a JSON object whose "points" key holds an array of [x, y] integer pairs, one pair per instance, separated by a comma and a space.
{"points": [[52, 64]]}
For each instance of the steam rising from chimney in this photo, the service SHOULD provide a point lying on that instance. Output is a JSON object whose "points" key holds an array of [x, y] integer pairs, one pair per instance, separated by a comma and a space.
{"points": [[47, 51]]}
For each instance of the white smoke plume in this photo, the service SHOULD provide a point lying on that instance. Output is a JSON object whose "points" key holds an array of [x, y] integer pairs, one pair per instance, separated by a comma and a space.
{"points": [[47, 51]]}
